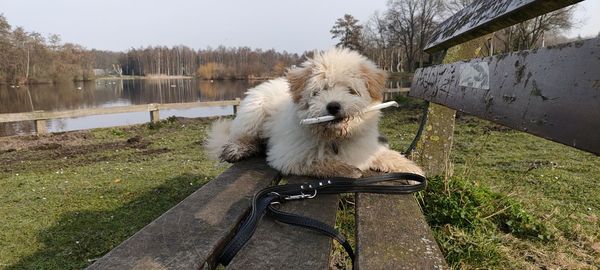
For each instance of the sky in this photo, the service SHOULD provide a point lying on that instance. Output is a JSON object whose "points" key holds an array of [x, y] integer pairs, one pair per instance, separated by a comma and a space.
{"points": [[293, 26]]}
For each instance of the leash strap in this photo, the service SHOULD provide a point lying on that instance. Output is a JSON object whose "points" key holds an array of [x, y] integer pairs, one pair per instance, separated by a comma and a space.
{"points": [[263, 201], [312, 224]]}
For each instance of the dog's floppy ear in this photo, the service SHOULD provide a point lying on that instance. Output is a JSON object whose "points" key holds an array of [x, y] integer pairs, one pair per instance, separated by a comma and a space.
{"points": [[298, 78], [375, 79]]}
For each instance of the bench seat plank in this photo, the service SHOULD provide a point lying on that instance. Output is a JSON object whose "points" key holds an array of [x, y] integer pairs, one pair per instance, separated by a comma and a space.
{"points": [[391, 233], [189, 235], [550, 92], [275, 245], [485, 16]]}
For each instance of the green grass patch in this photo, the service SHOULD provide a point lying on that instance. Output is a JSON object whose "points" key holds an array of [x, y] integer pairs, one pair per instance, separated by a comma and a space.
{"points": [[468, 206], [66, 199], [468, 221], [344, 223]]}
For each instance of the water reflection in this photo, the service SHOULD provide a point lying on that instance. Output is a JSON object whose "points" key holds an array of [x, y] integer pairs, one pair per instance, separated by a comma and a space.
{"points": [[107, 93]]}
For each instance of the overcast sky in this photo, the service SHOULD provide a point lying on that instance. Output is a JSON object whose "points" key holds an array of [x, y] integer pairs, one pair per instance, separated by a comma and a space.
{"points": [[294, 26]]}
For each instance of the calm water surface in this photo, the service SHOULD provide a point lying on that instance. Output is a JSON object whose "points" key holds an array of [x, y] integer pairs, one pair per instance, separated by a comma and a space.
{"points": [[108, 93]]}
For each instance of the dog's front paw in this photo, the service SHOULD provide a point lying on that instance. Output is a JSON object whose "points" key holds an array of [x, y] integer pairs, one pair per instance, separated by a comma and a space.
{"points": [[350, 172], [398, 167], [334, 168], [408, 168], [392, 161], [234, 152]]}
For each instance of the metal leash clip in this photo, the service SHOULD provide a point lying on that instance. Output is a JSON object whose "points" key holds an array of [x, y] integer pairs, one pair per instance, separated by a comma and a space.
{"points": [[278, 196], [300, 196]]}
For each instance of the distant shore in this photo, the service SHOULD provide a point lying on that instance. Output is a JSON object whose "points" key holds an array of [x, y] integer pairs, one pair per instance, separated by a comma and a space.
{"points": [[165, 77], [148, 77], [136, 77]]}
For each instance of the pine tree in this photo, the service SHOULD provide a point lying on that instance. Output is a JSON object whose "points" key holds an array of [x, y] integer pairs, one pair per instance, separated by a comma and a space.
{"points": [[348, 31]]}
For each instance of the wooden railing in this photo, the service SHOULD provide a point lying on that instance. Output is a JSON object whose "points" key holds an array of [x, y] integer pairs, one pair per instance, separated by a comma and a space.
{"points": [[40, 117], [389, 93]]}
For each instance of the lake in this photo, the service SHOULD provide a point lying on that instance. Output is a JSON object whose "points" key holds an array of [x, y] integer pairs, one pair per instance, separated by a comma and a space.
{"points": [[109, 93]]}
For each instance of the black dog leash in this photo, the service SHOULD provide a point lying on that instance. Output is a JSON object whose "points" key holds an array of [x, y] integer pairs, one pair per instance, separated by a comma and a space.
{"points": [[264, 201]]}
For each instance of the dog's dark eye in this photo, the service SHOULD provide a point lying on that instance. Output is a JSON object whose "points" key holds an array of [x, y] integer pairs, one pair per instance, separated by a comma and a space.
{"points": [[352, 91], [315, 93]]}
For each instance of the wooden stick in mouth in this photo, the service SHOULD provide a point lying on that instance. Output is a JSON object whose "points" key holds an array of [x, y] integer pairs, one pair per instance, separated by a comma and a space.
{"points": [[327, 118]]}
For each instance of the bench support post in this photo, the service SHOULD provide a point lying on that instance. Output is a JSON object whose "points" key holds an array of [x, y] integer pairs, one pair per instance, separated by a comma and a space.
{"points": [[235, 107], [433, 150]]}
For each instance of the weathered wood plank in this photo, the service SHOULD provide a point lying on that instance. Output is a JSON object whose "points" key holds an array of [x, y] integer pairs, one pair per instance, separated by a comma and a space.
{"points": [[191, 105], [31, 116], [390, 93], [154, 116], [280, 246], [550, 92], [189, 235], [41, 126], [391, 233], [397, 90], [485, 16]]}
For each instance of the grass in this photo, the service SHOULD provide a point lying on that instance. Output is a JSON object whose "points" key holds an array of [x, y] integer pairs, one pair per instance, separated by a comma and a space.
{"points": [[514, 201], [469, 221], [553, 183], [66, 199]]}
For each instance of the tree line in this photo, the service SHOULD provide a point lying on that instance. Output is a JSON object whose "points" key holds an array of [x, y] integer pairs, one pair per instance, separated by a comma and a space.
{"points": [[29, 57], [216, 64], [395, 38]]}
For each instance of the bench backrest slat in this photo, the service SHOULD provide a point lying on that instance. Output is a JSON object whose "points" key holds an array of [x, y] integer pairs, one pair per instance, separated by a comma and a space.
{"points": [[191, 234], [485, 16], [280, 246], [550, 92]]}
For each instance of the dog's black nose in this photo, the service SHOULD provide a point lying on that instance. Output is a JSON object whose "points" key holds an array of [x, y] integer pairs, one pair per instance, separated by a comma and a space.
{"points": [[333, 107]]}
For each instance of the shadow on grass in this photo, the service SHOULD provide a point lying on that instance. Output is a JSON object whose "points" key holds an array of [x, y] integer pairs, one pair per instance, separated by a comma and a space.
{"points": [[81, 237]]}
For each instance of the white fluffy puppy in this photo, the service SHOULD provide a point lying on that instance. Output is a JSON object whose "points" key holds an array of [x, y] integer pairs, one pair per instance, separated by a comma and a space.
{"points": [[337, 82]]}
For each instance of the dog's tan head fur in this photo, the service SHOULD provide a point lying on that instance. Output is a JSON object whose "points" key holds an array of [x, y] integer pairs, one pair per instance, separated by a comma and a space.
{"points": [[337, 82]]}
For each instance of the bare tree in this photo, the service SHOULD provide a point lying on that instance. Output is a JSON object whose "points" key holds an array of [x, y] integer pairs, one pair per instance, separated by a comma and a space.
{"points": [[410, 24], [452, 7], [26, 57], [375, 32], [531, 34], [526, 35]]}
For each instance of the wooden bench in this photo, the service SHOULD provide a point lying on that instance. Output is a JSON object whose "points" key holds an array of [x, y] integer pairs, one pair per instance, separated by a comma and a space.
{"points": [[192, 234], [551, 92]]}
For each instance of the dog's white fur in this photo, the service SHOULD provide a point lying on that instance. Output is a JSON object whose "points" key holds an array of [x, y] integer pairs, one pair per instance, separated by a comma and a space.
{"points": [[270, 113]]}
